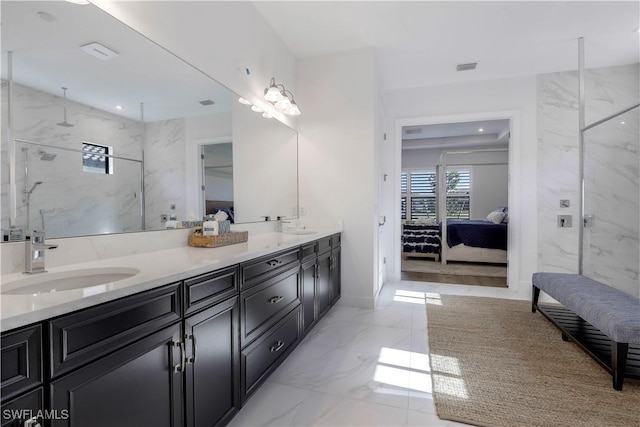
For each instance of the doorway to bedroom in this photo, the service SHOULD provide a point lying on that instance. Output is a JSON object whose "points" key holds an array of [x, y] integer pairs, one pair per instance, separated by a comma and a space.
{"points": [[454, 202]]}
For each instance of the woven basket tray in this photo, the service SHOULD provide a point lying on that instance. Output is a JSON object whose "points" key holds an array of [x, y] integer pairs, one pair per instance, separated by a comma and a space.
{"points": [[200, 241]]}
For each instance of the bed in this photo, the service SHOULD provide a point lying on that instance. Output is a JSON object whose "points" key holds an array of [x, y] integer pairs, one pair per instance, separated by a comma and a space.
{"points": [[476, 241], [213, 206]]}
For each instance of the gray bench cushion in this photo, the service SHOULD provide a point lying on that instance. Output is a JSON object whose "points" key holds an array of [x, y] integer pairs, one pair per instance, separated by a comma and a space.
{"points": [[612, 311]]}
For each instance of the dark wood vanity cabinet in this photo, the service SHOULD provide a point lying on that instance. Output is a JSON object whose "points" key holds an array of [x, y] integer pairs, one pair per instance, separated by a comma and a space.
{"points": [[184, 374], [185, 354], [321, 280], [22, 376]]}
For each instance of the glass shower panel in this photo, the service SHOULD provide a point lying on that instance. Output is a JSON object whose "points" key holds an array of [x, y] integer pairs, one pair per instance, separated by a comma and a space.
{"points": [[611, 244], [63, 199]]}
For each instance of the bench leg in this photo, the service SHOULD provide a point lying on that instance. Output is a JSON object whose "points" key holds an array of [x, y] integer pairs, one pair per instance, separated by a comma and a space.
{"points": [[534, 300], [618, 362]]}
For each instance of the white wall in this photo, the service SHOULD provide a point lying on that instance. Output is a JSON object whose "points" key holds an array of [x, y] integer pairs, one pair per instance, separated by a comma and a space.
{"points": [[515, 97], [337, 144]]}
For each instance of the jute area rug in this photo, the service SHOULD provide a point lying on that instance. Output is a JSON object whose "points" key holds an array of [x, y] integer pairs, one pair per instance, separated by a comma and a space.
{"points": [[495, 363]]}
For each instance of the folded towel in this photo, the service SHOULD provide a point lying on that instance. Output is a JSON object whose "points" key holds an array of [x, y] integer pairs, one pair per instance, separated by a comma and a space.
{"points": [[220, 216]]}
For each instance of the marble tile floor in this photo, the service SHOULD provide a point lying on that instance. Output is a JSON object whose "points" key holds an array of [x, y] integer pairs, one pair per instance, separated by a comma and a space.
{"points": [[359, 367]]}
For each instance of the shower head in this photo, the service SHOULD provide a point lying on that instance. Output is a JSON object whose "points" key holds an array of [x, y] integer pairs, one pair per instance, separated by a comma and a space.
{"points": [[47, 156], [64, 123], [35, 184]]}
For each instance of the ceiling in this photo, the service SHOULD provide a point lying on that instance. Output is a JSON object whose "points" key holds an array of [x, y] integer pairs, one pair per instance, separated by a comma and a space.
{"points": [[419, 43], [47, 56]]}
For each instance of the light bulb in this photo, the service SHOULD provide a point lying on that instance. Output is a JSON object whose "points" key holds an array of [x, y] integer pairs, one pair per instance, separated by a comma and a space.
{"points": [[272, 94], [267, 115], [256, 109], [293, 110], [241, 100], [284, 104]]}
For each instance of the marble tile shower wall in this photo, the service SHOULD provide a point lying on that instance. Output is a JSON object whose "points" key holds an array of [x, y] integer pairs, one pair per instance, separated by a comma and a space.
{"points": [[66, 198], [165, 165], [611, 174]]}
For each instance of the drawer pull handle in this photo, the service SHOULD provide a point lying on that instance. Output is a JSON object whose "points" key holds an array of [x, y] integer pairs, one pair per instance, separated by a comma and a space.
{"points": [[277, 346], [275, 263], [194, 349], [180, 367], [274, 300]]}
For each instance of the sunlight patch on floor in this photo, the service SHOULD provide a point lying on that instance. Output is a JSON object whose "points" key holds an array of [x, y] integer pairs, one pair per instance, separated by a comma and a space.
{"points": [[404, 369]]}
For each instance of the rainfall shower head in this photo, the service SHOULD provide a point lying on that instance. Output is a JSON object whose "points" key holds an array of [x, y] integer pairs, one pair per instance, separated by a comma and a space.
{"points": [[64, 123], [46, 156]]}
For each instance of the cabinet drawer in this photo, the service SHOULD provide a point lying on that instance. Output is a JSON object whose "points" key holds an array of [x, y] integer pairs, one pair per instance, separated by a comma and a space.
{"points": [[209, 288], [308, 251], [263, 356], [89, 334], [324, 244], [264, 305], [255, 270], [19, 410], [21, 360], [336, 240]]}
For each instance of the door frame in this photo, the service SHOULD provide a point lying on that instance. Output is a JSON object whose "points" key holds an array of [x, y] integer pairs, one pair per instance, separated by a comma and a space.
{"points": [[515, 179]]}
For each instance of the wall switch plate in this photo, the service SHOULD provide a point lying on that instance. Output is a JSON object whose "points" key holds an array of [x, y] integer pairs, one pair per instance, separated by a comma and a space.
{"points": [[589, 221], [565, 203], [564, 221]]}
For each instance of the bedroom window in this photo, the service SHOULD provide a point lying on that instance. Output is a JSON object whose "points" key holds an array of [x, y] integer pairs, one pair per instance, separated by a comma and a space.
{"points": [[418, 199]]}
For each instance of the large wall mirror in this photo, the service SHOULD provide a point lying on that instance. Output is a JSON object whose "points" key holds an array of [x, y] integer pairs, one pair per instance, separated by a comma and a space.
{"points": [[103, 131]]}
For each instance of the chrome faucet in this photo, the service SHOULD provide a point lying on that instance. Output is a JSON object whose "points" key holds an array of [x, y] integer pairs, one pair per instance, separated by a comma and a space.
{"points": [[279, 222], [34, 253]]}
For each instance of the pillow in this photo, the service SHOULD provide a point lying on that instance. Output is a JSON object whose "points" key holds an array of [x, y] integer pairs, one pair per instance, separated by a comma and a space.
{"points": [[505, 220], [426, 221], [496, 216]]}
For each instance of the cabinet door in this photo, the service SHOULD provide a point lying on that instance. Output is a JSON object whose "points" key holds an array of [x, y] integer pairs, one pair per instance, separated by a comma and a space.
{"points": [[323, 285], [308, 278], [138, 385], [26, 407], [335, 275], [213, 365]]}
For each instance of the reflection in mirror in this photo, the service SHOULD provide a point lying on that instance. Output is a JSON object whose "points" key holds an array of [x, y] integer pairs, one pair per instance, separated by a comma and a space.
{"points": [[217, 168], [144, 104]]}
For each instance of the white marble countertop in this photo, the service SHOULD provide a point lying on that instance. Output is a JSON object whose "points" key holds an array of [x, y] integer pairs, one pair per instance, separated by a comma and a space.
{"points": [[156, 269]]}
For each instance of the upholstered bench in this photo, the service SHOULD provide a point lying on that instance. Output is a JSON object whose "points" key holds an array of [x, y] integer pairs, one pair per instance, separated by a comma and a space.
{"points": [[613, 312]]}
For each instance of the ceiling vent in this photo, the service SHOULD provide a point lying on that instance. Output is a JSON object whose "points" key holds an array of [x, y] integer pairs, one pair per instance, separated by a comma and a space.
{"points": [[99, 51], [466, 67], [207, 102]]}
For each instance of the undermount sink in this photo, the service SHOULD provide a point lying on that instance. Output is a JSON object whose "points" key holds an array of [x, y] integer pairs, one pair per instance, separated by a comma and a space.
{"points": [[67, 280], [300, 232]]}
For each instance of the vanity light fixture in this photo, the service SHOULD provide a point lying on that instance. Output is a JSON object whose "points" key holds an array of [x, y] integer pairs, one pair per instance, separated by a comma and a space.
{"points": [[267, 115], [256, 109], [241, 100], [282, 98]]}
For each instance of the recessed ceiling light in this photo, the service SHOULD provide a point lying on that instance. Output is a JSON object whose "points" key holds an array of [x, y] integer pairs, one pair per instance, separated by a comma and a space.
{"points": [[46, 16], [243, 101], [119, 107], [256, 109], [623, 122], [480, 130], [99, 51]]}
